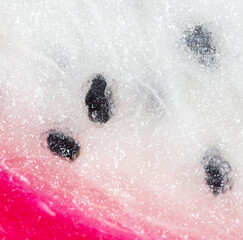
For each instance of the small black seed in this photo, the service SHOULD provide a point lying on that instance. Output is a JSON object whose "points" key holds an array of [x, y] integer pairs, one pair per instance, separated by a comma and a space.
{"points": [[200, 42], [98, 100], [215, 179], [217, 172], [62, 145]]}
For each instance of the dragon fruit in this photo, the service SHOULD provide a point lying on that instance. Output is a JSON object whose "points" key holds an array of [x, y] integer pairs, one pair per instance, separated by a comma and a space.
{"points": [[121, 119]]}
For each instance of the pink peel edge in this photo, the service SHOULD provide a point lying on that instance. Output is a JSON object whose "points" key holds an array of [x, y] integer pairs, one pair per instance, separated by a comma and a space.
{"points": [[25, 214]]}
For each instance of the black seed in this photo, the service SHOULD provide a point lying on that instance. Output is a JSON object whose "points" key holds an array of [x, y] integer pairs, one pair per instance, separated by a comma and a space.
{"points": [[199, 40], [215, 179], [217, 172], [62, 145], [98, 100]]}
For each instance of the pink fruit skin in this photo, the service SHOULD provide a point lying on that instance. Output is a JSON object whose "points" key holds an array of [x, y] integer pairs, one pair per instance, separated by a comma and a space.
{"points": [[24, 215]]}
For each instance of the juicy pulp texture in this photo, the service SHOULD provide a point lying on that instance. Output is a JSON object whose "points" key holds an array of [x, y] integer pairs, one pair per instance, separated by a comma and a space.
{"points": [[141, 172]]}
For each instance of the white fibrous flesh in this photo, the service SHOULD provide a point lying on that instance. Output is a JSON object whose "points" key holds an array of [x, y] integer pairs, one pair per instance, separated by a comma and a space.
{"points": [[171, 103]]}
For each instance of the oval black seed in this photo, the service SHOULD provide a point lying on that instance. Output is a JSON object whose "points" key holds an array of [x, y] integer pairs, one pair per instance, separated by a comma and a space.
{"points": [[217, 172], [200, 42], [62, 145], [99, 100], [215, 179]]}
